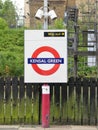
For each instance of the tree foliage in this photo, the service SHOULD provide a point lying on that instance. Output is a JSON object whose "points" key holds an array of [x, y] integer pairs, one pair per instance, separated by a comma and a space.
{"points": [[58, 24], [11, 52], [8, 12], [3, 24]]}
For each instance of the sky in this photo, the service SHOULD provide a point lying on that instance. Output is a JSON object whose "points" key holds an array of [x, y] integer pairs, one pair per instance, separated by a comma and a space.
{"points": [[19, 4]]}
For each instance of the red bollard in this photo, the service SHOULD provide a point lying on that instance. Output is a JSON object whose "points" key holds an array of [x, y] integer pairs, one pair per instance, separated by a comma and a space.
{"points": [[45, 105]]}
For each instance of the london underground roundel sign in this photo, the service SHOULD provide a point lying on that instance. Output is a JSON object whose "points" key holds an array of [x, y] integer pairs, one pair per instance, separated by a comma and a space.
{"points": [[45, 56], [41, 71]]}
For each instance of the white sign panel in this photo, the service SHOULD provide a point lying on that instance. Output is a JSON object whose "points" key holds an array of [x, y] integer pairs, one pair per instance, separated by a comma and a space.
{"points": [[45, 56]]}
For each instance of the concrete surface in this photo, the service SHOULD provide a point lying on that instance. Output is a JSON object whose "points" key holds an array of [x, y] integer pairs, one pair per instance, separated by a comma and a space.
{"points": [[62, 127]]}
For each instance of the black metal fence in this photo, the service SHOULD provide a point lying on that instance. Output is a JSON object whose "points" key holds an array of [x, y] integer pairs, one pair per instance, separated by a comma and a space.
{"points": [[75, 102]]}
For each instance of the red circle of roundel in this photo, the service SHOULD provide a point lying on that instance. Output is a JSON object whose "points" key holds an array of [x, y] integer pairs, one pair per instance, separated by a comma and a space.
{"points": [[47, 49]]}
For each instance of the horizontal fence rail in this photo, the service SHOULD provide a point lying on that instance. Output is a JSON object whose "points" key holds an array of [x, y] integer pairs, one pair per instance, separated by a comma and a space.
{"points": [[75, 102]]}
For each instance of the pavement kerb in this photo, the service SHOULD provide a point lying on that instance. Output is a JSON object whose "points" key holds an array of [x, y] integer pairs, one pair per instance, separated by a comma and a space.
{"points": [[52, 127], [63, 127], [10, 126]]}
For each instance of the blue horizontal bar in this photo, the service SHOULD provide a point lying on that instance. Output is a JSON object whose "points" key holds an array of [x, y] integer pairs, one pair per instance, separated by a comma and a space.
{"points": [[45, 60]]}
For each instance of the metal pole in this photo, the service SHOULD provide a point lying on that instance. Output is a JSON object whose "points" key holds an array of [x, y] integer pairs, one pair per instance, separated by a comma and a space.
{"points": [[45, 87], [45, 14]]}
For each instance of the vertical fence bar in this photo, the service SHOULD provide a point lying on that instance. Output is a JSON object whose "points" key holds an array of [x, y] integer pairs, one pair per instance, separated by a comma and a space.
{"points": [[25, 97], [14, 97], [81, 105], [97, 103], [53, 101], [78, 100], [88, 105], [96, 110], [8, 83], [29, 102], [60, 103], [18, 102], [4, 102], [92, 101], [39, 115], [71, 102], [57, 102], [74, 93], [2, 84], [64, 102], [67, 103], [32, 102], [11, 103], [85, 101], [21, 106]]}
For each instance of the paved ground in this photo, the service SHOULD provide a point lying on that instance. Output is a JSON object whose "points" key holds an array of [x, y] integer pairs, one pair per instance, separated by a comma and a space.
{"points": [[70, 127]]}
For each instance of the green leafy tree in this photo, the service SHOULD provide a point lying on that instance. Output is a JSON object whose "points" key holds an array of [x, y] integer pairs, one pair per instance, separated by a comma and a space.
{"points": [[11, 52], [3, 24], [9, 13], [58, 24], [1, 6]]}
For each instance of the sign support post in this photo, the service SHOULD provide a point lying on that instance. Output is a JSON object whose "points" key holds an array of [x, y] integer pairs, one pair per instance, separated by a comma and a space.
{"points": [[45, 14], [45, 87], [45, 105]]}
